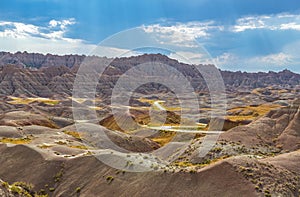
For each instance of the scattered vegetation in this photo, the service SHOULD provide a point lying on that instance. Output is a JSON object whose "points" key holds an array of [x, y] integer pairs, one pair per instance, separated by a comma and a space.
{"points": [[42, 193], [269, 179], [164, 137], [129, 164], [5, 184], [109, 179], [61, 142], [74, 134], [217, 149], [78, 189], [250, 112], [57, 177], [45, 146], [24, 140], [16, 189], [18, 100], [79, 147], [51, 189], [20, 189]]}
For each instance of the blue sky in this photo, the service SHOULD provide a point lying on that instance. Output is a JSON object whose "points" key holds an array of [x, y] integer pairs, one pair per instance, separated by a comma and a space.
{"points": [[250, 35]]}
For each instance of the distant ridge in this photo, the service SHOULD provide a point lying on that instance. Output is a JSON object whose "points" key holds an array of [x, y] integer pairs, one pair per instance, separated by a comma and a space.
{"points": [[33, 74], [38, 60]]}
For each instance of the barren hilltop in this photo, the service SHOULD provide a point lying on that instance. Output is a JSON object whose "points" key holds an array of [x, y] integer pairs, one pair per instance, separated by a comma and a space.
{"points": [[46, 151]]}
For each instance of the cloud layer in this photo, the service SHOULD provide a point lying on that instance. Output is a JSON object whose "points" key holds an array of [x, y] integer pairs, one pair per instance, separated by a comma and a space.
{"points": [[263, 42], [183, 34], [17, 36], [260, 42], [271, 22]]}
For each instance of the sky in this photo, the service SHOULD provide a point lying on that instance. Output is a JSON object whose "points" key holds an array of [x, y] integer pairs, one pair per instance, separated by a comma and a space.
{"points": [[247, 35]]}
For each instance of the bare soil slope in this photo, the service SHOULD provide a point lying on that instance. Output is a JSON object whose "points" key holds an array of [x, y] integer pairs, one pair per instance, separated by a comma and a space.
{"points": [[279, 128]]}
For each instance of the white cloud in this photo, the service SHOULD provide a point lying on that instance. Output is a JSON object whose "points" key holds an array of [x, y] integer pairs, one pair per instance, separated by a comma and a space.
{"points": [[279, 59], [225, 59], [17, 30], [293, 50], [51, 38], [55, 30], [293, 26], [112, 52], [263, 63], [228, 60], [182, 34], [246, 23], [272, 22], [42, 45], [53, 23], [191, 57], [16, 36], [63, 23]]}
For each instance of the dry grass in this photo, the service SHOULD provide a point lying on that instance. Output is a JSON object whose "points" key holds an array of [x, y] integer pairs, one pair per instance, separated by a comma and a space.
{"points": [[203, 164], [74, 134], [206, 109], [164, 138], [25, 101], [176, 108], [241, 118], [258, 91], [144, 100], [61, 142], [79, 147], [45, 146], [16, 140], [258, 111]]}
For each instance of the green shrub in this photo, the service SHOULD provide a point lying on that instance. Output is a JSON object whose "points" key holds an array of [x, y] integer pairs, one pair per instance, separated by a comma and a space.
{"points": [[15, 189], [58, 175], [206, 161], [51, 189], [42, 192], [109, 179], [78, 189], [217, 149], [26, 186], [5, 184]]}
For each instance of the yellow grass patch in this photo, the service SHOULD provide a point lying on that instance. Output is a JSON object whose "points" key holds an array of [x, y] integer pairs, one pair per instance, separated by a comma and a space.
{"points": [[45, 146], [17, 100], [144, 100], [184, 164], [206, 109], [164, 138], [74, 134], [176, 109], [79, 147], [16, 140], [205, 162], [241, 118], [61, 142], [258, 111]]}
